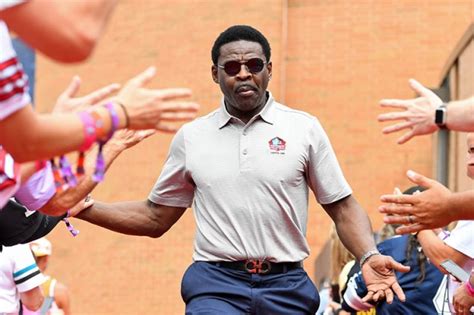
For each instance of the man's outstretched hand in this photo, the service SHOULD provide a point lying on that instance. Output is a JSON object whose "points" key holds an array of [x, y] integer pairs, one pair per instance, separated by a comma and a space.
{"points": [[379, 276]]}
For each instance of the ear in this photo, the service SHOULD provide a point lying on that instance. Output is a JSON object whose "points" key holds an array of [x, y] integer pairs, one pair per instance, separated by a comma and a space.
{"points": [[214, 74], [269, 69]]}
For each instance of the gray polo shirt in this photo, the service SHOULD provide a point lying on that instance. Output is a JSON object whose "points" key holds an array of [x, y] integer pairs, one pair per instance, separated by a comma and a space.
{"points": [[248, 183]]}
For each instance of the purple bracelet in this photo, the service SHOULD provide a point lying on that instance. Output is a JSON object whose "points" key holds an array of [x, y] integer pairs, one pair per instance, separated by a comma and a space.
{"points": [[115, 119]]}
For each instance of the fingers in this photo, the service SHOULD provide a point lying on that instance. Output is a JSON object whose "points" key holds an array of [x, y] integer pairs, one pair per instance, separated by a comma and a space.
{"points": [[389, 296], [420, 89], [179, 107], [169, 94], [101, 93], [400, 209], [397, 127], [406, 137], [398, 199], [398, 266], [393, 116], [420, 180], [143, 78], [398, 292], [395, 103], [167, 128], [73, 87], [413, 228], [146, 133], [379, 295], [368, 297], [177, 116]]}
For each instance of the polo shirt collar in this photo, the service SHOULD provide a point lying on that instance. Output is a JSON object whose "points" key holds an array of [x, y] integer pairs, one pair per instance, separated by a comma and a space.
{"points": [[267, 113]]}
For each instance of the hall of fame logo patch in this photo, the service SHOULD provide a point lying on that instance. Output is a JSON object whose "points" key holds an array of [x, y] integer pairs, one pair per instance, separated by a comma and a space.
{"points": [[277, 145]]}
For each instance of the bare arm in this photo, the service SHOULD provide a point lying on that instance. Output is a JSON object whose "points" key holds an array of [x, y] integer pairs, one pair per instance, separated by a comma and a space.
{"points": [[437, 250], [51, 135], [66, 31], [142, 218], [352, 225], [32, 299], [433, 208], [460, 115], [61, 297], [355, 231], [418, 114]]}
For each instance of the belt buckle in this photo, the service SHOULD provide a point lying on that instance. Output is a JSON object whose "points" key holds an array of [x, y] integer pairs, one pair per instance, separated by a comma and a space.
{"points": [[257, 266]]}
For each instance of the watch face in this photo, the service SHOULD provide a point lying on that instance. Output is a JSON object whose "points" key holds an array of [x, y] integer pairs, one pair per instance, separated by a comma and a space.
{"points": [[440, 116]]}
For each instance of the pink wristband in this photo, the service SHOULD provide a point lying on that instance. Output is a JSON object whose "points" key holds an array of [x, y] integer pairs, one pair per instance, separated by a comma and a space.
{"points": [[90, 133], [469, 288]]}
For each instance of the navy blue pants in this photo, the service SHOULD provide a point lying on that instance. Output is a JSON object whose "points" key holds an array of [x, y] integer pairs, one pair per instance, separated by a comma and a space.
{"points": [[208, 289]]}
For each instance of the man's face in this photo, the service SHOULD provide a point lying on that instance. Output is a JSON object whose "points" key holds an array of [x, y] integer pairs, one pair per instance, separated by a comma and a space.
{"points": [[470, 155], [245, 91]]}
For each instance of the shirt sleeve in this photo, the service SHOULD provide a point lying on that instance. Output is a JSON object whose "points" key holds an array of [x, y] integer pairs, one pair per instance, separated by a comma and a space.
{"points": [[38, 190], [324, 173], [5, 4], [174, 187], [462, 238], [13, 80], [25, 272]]}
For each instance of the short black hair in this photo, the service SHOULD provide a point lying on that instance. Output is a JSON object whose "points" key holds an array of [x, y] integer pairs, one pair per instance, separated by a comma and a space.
{"points": [[240, 32]]}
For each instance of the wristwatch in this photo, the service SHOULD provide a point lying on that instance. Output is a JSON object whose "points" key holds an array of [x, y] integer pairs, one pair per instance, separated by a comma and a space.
{"points": [[441, 116]]}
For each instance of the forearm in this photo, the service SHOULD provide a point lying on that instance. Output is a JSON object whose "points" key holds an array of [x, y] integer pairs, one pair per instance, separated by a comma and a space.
{"points": [[61, 202], [46, 135], [433, 247], [460, 115], [131, 217], [63, 30], [353, 226], [462, 205]]}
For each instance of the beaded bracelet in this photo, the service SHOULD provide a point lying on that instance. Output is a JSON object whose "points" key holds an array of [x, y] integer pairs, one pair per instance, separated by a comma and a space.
{"points": [[90, 132]]}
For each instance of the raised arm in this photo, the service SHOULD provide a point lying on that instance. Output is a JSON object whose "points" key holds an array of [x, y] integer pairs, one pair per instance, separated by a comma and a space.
{"points": [[355, 231], [438, 251], [122, 140], [66, 31], [142, 218], [435, 207], [50, 135], [418, 114]]}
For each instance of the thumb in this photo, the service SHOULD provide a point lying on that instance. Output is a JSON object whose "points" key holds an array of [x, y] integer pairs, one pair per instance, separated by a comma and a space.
{"points": [[73, 87], [419, 179], [144, 77], [419, 88], [399, 267]]}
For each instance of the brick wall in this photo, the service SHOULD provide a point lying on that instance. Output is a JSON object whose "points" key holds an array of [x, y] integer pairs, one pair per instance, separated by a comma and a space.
{"points": [[334, 59]]}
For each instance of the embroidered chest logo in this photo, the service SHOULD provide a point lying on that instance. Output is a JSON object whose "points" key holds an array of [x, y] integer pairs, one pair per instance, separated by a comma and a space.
{"points": [[277, 145]]}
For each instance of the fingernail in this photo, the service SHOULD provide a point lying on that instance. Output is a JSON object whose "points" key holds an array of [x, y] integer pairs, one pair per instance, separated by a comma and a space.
{"points": [[411, 174]]}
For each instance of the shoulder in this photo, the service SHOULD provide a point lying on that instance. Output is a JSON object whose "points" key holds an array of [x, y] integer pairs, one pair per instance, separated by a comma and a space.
{"points": [[292, 113]]}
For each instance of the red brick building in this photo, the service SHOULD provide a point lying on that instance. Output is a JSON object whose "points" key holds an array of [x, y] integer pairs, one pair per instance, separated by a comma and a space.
{"points": [[334, 59]]}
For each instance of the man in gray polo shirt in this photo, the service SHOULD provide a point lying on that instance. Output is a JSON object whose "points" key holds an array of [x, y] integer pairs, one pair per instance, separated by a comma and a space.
{"points": [[245, 169]]}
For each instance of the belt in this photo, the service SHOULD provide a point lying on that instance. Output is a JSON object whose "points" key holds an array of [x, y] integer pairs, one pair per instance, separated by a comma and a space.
{"points": [[258, 266]]}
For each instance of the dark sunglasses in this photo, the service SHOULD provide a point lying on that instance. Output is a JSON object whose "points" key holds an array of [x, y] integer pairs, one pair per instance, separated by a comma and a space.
{"points": [[232, 68]]}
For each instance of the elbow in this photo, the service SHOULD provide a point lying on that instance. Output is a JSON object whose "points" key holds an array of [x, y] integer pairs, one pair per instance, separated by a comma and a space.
{"points": [[155, 233], [77, 46]]}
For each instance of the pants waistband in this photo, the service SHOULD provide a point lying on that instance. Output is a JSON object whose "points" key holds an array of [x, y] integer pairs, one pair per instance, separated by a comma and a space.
{"points": [[258, 266]]}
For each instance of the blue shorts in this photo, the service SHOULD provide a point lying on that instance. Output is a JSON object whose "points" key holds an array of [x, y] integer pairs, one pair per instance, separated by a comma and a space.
{"points": [[208, 289]]}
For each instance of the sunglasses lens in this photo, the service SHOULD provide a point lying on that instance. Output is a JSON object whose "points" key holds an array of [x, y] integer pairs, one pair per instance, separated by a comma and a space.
{"points": [[232, 68], [255, 65]]}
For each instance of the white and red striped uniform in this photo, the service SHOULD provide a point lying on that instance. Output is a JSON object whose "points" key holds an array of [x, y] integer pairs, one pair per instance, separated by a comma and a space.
{"points": [[13, 80]]}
